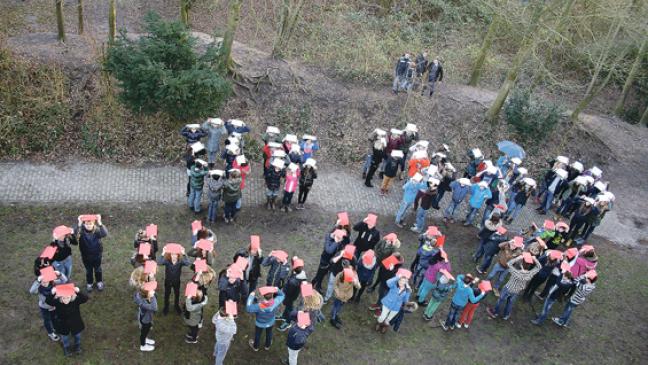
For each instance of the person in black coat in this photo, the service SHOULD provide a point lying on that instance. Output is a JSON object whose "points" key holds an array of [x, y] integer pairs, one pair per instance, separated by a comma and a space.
{"points": [[292, 289], [68, 322], [252, 272], [549, 263], [230, 287], [435, 73], [62, 260], [367, 237], [91, 231]]}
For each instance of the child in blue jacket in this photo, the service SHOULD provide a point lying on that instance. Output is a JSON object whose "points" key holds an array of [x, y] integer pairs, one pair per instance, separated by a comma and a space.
{"points": [[278, 273], [479, 193], [264, 307], [410, 189], [463, 293]]}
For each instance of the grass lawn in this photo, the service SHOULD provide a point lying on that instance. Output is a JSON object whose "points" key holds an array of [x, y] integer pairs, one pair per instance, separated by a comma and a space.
{"points": [[608, 329]]}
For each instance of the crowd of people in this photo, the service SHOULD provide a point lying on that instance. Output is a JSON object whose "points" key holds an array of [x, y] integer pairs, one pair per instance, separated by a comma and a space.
{"points": [[417, 73], [549, 262]]}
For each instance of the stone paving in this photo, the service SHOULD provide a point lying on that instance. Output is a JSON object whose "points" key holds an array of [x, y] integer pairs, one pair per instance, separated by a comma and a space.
{"points": [[334, 190]]}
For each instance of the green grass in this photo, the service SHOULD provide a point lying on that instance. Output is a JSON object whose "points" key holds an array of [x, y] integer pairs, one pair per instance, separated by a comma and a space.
{"points": [[608, 329]]}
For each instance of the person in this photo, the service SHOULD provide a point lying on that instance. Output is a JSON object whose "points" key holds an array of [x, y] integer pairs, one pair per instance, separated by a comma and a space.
{"points": [[263, 305], [390, 171], [273, 182], [254, 255], [491, 226], [43, 286], [214, 130], [410, 136], [438, 263], [497, 203], [392, 303], [290, 186], [63, 238], [308, 145], [197, 174], [557, 291], [147, 306], [214, 193], [306, 180], [193, 315], [524, 189], [242, 165], [225, 325], [409, 78], [343, 259], [68, 323], [428, 249], [365, 271], [333, 242], [555, 181], [479, 193], [368, 235], [192, 133], [549, 261], [410, 191], [297, 337], [345, 281], [492, 248], [292, 288], [91, 230], [173, 262], [522, 268], [507, 251], [469, 310], [440, 291], [399, 72], [231, 195], [463, 293], [424, 201], [280, 268], [435, 73], [231, 285], [585, 285], [237, 128], [460, 188], [379, 144], [421, 65], [203, 249], [232, 151], [388, 269]]}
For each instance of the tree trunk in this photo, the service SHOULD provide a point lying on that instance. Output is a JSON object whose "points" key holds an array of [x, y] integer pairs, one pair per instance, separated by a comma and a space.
{"points": [[644, 117], [293, 19], [225, 52], [59, 20], [618, 110], [486, 45], [289, 17], [80, 15], [112, 21], [185, 5], [603, 58]]}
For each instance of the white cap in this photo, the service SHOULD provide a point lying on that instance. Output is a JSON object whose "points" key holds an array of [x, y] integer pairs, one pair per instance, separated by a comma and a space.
{"points": [[290, 138], [477, 153], [417, 177], [233, 140], [581, 180], [272, 129], [237, 122], [411, 127], [491, 170], [241, 159], [279, 163], [577, 166], [397, 154], [215, 121], [600, 185], [516, 160], [602, 198], [589, 179], [445, 147], [562, 159], [483, 183], [232, 148], [561, 173], [380, 132], [396, 131], [197, 147], [279, 153], [309, 137], [448, 166], [232, 170], [193, 126], [293, 167], [529, 181], [523, 171], [310, 162], [609, 195], [216, 172], [464, 181], [431, 170], [588, 199], [596, 172], [434, 181], [419, 155], [202, 162], [439, 154], [423, 144], [295, 148], [274, 145], [488, 164]]}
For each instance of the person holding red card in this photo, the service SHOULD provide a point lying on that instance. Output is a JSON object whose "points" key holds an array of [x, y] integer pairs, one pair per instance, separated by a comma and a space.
{"points": [[43, 285], [279, 268], [368, 234], [224, 321], [91, 230], [149, 235], [585, 285], [254, 256], [345, 281], [297, 337], [398, 294], [63, 238], [193, 315], [388, 268], [292, 289], [173, 258], [522, 268], [231, 285], [558, 290], [440, 291], [147, 306], [468, 312], [263, 306], [463, 294], [68, 323]]}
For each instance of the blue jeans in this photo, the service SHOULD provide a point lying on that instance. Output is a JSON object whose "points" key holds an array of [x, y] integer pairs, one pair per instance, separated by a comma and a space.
{"points": [[514, 210], [194, 199], [220, 351], [471, 215], [67, 338], [420, 219], [48, 320], [337, 307], [367, 163], [453, 314], [480, 249], [487, 212], [545, 310], [417, 277], [548, 199], [272, 193], [450, 210], [212, 212], [486, 264], [569, 308], [506, 300], [426, 285], [330, 288], [211, 156], [239, 203], [402, 209], [258, 331], [64, 267], [501, 272], [229, 210]]}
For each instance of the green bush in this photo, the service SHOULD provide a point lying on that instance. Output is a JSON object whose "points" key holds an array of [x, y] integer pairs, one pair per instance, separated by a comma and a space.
{"points": [[161, 72], [531, 119]]}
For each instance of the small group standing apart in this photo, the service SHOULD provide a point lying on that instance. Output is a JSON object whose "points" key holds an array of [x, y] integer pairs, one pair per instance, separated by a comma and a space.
{"points": [[410, 73]]}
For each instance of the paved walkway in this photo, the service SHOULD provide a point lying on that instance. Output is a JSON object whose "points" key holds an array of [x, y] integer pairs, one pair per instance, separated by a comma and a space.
{"points": [[333, 191]]}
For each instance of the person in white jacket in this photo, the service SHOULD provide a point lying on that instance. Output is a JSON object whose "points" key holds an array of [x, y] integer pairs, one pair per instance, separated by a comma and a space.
{"points": [[225, 331]]}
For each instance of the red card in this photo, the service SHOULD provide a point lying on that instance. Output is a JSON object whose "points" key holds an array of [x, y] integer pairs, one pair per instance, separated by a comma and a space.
{"points": [[518, 241], [371, 220], [349, 251], [205, 245], [591, 274], [343, 218], [432, 231], [527, 257], [267, 290], [234, 272], [150, 267], [440, 241], [88, 217], [149, 285], [549, 224], [485, 286], [280, 255], [196, 226], [390, 261], [391, 237], [144, 249], [444, 255], [200, 265], [572, 252], [565, 266], [404, 273], [255, 242], [242, 262], [230, 308], [348, 275], [501, 230], [368, 257], [587, 248], [556, 255], [191, 289], [297, 263], [48, 252], [61, 231], [173, 248], [65, 290], [339, 233], [303, 319], [151, 230], [306, 289], [47, 274]]}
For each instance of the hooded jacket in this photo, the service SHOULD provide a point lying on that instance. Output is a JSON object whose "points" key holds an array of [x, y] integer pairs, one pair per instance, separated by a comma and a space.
{"points": [[232, 190], [68, 316], [90, 242], [297, 336], [214, 133], [192, 137], [265, 317], [395, 298], [478, 196], [194, 311], [410, 189], [367, 237], [464, 293]]}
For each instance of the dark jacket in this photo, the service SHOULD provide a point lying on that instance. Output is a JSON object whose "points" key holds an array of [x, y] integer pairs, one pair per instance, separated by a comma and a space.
{"points": [[232, 190], [491, 248], [236, 291], [307, 177], [278, 272], [154, 245], [391, 167], [90, 242], [401, 66], [366, 275], [421, 64], [173, 272], [425, 199], [330, 248], [192, 137], [63, 249], [366, 239], [292, 288], [254, 270], [436, 72], [68, 316], [146, 308], [297, 336], [273, 178]]}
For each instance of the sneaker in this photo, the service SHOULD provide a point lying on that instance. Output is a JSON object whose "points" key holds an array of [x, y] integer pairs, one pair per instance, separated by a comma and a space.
{"points": [[147, 348], [414, 229], [334, 323], [491, 313], [478, 270], [100, 286], [374, 307], [506, 318], [89, 288], [53, 336], [150, 341], [466, 224], [191, 340], [400, 225], [466, 325], [426, 318], [557, 321], [496, 292], [251, 343], [536, 322], [285, 326], [423, 303], [442, 322], [267, 348]]}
